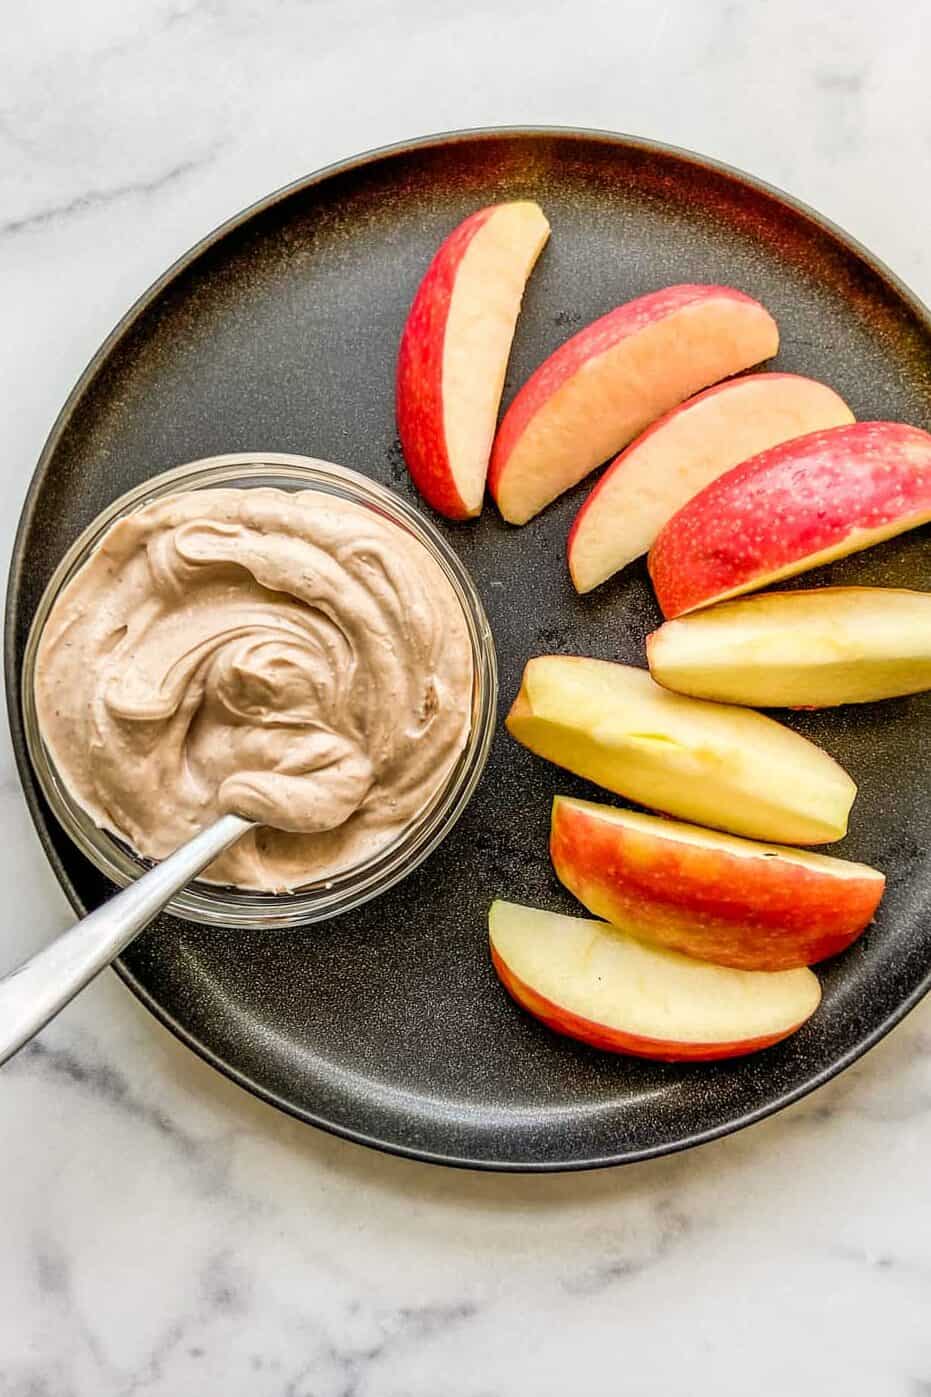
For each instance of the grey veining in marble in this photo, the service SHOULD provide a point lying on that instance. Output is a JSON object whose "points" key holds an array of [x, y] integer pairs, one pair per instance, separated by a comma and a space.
{"points": [[160, 1232]]}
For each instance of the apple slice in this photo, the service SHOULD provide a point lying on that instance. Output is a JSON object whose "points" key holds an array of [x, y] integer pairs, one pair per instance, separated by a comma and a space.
{"points": [[727, 767], [732, 901], [811, 649], [454, 352], [591, 981], [603, 386], [792, 508], [681, 454]]}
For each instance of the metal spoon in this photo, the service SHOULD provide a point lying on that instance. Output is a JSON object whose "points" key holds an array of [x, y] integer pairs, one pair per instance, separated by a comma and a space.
{"points": [[33, 994]]}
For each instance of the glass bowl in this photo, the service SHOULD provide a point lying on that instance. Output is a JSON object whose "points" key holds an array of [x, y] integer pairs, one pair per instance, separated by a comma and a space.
{"points": [[226, 906]]}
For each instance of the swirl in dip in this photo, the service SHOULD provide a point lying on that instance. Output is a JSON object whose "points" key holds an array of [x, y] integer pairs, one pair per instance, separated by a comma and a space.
{"points": [[290, 657]]}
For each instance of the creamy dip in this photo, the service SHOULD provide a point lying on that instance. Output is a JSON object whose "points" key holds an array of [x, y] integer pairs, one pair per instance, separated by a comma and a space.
{"points": [[290, 657]]}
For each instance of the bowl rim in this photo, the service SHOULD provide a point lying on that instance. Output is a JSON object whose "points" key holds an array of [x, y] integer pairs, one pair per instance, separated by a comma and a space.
{"points": [[211, 904]]}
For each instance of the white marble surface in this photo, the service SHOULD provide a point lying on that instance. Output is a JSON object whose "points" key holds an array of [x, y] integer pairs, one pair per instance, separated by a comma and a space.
{"points": [[162, 1233]]}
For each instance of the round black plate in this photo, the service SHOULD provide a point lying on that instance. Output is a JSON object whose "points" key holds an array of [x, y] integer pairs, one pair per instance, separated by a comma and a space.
{"points": [[279, 332]]}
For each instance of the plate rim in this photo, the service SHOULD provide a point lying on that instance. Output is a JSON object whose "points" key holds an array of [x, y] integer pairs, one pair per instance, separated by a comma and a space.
{"points": [[28, 784]]}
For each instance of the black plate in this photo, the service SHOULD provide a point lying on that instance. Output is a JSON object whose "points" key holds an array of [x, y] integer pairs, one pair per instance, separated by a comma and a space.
{"points": [[279, 332]]}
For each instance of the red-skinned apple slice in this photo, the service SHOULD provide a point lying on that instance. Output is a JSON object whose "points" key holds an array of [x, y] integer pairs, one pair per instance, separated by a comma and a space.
{"points": [[590, 981], [809, 649], [792, 508], [683, 452], [710, 763], [604, 385], [454, 352], [731, 901]]}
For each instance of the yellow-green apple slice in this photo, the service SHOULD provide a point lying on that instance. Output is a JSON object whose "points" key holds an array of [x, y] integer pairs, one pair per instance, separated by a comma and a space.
{"points": [[681, 454], [733, 901], [454, 352], [810, 649], [792, 508], [593, 982], [727, 767], [612, 379]]}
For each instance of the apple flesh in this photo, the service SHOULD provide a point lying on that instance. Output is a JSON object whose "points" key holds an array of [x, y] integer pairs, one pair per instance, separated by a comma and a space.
{"points": [[810, 649], [731, 901], [593, 982], [603, 386], [681, 454], [792, 508], [718, 765], [455, 348]]}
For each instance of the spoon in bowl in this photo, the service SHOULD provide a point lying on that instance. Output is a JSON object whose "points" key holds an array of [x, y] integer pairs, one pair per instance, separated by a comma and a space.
{"points": [[34, 993]]}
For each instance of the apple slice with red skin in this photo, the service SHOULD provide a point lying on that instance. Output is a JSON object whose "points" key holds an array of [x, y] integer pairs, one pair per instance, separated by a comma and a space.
{"points": [[683, 452], [593, 982], [731, 901], [604, 385], [807, 649], [455, 348], [793, 508]]}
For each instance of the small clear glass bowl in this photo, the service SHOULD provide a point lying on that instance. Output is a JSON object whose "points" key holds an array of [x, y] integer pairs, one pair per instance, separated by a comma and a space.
{"points": [[227, 906]]}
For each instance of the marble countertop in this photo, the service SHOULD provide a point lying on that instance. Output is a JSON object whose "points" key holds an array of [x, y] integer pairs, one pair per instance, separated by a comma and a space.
{"points": [[160, 1231]]}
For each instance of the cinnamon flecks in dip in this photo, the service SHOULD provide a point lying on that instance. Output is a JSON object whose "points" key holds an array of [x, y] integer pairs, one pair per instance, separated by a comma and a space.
{"points": [[290, 657]]}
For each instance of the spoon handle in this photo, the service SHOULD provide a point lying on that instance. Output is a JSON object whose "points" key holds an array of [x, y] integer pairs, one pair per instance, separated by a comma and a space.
{"points": [[35, 992]]}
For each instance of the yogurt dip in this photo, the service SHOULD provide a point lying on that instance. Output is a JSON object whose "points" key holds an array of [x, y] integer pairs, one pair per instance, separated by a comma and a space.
{"points": [[291, 657]]}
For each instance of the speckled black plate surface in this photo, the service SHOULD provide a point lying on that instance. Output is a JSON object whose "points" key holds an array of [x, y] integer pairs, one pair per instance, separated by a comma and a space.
{"points": [[279, 332]]}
